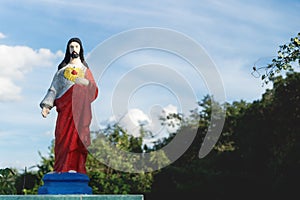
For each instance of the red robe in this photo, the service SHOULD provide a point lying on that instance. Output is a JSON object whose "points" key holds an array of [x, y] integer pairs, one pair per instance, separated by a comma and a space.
{"points": [[72, 134]]}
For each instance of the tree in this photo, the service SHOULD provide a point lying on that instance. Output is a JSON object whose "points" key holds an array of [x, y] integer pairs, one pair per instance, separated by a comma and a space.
{"points": [[190, 175], [7, 181], [104, 179], [288, 57], [268, 138], [257, 154], [26, 182]]}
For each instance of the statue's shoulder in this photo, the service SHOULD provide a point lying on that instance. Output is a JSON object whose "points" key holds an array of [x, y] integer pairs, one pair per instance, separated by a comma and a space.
{"points": [[61, 70]]}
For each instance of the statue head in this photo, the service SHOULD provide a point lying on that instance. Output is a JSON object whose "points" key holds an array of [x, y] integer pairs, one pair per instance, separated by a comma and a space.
{"points": [[73, 51]]}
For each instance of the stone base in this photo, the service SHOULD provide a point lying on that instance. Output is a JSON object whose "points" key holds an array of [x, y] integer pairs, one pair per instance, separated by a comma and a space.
{"points": [[72, 197], [65, 183]]}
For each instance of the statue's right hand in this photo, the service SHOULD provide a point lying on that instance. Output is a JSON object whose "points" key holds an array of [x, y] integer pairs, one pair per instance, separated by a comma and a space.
{"points": [[45, 112], [82, 81]]}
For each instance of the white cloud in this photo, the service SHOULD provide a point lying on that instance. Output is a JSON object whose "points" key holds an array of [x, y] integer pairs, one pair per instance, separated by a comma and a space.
{"points": [[16, 61], [8, 90], [2, 36], [174, 123], [135, 118], [170, 109], [132, 121]]}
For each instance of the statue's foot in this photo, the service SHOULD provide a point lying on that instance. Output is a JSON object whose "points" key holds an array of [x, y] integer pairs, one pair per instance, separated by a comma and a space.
{"points": [[72, 171]]}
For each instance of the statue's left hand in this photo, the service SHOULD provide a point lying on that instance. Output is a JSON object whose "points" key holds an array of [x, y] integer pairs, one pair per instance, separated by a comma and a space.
{"points": [[82, 81]]}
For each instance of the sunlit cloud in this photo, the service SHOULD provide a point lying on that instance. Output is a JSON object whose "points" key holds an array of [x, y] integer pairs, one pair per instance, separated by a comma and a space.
{"points": [[16, 62], [135, 119]]}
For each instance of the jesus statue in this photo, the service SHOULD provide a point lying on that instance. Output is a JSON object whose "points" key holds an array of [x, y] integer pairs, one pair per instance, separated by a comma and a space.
{"points": [[72, 91]]}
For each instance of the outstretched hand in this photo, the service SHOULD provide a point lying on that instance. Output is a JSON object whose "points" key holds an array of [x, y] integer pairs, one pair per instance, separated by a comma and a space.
{"points": [[81, 81], [45, 112]]}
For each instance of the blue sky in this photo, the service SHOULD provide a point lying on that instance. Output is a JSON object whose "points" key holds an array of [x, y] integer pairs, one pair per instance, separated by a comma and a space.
{"points": [[33, 35]]}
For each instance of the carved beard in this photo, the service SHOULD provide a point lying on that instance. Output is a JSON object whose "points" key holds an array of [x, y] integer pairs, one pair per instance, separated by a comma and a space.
{"points": [[74, 54]]}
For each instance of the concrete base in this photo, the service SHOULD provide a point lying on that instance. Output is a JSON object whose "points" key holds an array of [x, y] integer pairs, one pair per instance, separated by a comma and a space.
{"points": [[71, 197], [65, 183]]}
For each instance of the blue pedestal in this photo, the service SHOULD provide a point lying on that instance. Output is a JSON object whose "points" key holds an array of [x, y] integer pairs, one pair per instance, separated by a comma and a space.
{"points": [[65, 183]]}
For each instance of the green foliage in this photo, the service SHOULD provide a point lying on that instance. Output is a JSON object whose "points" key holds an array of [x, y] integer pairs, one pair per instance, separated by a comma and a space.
{"points": [[7, 181], [47, 162], [257, 154], [26, 183], [268, 136], [234, 112], [288, 56], [105, 179]]}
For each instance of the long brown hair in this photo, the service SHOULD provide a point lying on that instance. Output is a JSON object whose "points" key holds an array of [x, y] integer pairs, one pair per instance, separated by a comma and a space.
{"points": [[67, 57]]}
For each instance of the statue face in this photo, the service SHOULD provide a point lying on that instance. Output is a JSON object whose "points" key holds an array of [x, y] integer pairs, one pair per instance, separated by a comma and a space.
{"points": [[74, 47]]}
